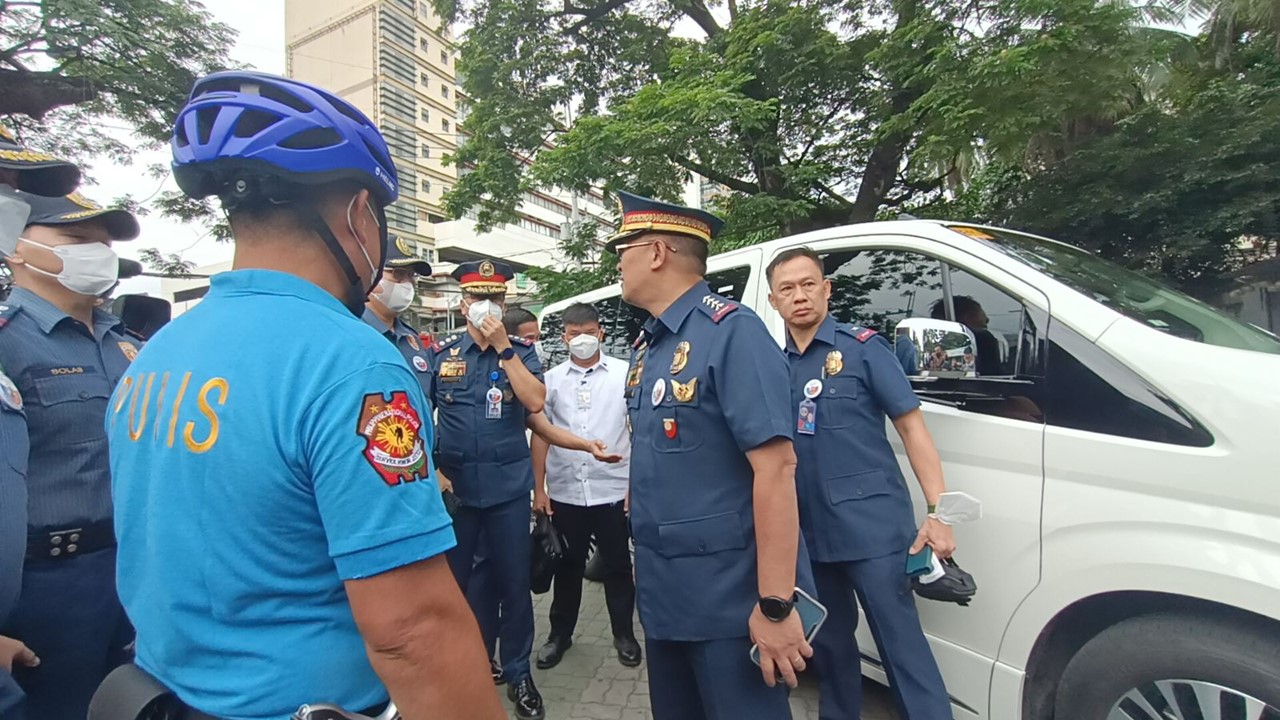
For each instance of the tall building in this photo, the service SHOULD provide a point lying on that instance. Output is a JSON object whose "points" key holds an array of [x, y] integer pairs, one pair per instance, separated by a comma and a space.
{"points": [[395, 60]]}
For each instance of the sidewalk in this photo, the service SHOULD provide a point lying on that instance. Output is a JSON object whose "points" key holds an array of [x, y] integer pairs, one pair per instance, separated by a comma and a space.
{"points": [[590, 683]]}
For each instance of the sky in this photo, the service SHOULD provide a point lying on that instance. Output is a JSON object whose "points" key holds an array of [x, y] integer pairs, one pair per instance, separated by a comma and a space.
{"points": [[260, 24]]}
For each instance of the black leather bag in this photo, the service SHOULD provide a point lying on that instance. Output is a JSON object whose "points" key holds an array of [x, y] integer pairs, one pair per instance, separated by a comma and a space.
{"points": [[548, 549]]}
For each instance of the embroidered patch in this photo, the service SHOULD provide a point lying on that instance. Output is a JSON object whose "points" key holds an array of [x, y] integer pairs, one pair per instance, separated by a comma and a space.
{"points": [[393, 445]]}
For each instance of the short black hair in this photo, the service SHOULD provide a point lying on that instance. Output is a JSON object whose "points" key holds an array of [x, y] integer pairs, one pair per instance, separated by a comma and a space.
{"points": [[692, 248], [963, 303], [789, 255], [580, 314], [515, 317]]}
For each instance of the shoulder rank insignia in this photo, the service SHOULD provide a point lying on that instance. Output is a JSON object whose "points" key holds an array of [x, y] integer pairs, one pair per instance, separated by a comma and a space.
{"points": [[834, 363], [680, 358], [719, 306], [443, 343], [863, 334]]}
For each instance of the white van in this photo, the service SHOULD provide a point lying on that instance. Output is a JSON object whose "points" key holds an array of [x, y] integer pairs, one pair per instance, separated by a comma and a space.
{"points": [[1128, 561]]}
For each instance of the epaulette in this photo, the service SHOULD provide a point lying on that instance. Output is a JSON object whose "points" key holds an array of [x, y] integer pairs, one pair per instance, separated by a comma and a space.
{"points": [[7, 312], [445, 342], [520, 340], [856, 332], [717, 307]]}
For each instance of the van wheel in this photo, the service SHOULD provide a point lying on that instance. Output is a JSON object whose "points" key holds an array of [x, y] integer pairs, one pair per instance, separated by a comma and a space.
{"points": [[1173, 667]]}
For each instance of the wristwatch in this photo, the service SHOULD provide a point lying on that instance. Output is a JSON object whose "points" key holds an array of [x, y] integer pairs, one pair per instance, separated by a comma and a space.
{"points": [[777, 609], [508, 353]]}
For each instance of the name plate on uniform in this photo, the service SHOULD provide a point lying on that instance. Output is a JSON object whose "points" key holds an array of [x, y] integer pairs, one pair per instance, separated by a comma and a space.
{"points": [[453, 370]]}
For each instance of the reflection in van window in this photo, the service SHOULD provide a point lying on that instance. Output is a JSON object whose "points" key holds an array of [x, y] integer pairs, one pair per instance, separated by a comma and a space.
{"points": [[880, 288], [1131, 294], [731, 283]]}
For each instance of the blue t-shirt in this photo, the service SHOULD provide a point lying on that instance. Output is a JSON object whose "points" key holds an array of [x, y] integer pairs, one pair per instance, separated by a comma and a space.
{"points": [[265, 447]]}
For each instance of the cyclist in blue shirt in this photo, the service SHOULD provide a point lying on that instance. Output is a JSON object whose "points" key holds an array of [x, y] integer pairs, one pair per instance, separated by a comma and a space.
{"points": [[281, 533]]}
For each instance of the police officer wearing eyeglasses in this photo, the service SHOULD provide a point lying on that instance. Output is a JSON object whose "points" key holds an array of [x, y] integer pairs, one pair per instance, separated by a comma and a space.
{"points": [[713, 500]]}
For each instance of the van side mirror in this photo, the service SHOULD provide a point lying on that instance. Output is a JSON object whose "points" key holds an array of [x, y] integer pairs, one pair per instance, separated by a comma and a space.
{"points": [[142, 314], [942, 348]]}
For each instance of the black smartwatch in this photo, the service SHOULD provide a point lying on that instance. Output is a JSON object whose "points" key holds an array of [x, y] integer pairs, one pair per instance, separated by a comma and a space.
{"points": [[776, 609], [508, 353]]}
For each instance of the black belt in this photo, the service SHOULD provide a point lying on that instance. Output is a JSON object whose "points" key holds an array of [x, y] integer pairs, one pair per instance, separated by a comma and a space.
{"points": [[52, 545]]}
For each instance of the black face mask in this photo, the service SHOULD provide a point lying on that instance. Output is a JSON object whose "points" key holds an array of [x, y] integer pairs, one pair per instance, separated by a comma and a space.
{"points": [[357, 292]]}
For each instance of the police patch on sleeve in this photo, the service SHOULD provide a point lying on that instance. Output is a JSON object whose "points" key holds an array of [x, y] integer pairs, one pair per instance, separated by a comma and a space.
{"points": [[9, 395], [393, 445]]}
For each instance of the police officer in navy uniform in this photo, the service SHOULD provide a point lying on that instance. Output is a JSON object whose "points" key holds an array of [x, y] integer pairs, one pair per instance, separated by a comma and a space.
{"points": [[42, 175], [65, 357], [392, 296], [854, 507], [484, 385], [713, 504]]}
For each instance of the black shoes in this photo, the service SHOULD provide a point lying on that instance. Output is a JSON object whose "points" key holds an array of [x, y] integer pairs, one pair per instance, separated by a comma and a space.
{"points": [[549, 655], [527, 699], [496, 669], [628, 651]]}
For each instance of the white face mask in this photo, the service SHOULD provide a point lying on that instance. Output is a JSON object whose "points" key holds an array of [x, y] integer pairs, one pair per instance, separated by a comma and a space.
{"points": [[87, 269], [542, 354], [13, 220], [584, 347], [478, 310], [396, 296]]}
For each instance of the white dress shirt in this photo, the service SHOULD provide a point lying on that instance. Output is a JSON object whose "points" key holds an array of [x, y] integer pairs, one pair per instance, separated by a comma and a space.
{"points": [[589, 403]]}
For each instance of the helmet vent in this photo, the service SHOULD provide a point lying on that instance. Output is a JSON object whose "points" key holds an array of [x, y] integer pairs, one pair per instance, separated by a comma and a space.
{"points": [[312, 139], [252, 122]]}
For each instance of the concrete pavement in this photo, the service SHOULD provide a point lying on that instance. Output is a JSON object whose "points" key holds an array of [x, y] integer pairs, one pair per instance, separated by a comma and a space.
{"points": [[590, 683]]}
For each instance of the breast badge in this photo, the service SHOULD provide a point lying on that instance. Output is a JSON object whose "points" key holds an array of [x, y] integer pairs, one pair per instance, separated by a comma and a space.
{"points": [[684, 392], [130, 352], [680, 358], [393, 445], [834, 363], [413, 342]]}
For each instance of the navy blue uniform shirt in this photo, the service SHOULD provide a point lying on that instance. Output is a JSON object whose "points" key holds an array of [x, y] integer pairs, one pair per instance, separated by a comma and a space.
{"points": [[854, 503], [486, 459], [65, 373], [409, 345], [13, 493], [707, 383]]}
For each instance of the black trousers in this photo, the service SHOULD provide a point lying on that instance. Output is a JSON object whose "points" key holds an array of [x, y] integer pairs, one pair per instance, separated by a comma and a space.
{"points": [[609, 525]]}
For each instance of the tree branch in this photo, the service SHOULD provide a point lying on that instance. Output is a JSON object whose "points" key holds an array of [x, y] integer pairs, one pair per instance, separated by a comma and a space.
{"points": [[588, 15], [728, 181], [697, 11], [832, 194], [36, 93]]}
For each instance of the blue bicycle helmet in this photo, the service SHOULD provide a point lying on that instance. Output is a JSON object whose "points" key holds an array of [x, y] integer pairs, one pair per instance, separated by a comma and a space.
{"points": [[248, 135]]}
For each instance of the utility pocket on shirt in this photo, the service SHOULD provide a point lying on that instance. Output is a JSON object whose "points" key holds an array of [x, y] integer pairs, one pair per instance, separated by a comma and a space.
{"points": [[838, 404], [58, 389], [857, 486], [702, 536]]}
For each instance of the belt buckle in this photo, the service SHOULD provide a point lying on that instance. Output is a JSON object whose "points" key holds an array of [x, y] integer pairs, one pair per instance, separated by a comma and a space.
{"points": [[65, 543]]}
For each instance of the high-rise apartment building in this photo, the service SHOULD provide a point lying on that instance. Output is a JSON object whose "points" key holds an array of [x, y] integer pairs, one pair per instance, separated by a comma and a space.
{"points": [[395, 60]]}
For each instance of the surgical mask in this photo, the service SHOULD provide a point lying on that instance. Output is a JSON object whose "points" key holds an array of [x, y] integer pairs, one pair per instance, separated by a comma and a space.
{"points": [[584, 347], [13, 220], [542, 354], [478, 310], [87, 269], [397, 296]]}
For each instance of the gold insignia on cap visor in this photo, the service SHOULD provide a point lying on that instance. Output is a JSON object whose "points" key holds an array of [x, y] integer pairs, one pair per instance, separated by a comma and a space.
{"points": [[486, 269], [403, 246]]}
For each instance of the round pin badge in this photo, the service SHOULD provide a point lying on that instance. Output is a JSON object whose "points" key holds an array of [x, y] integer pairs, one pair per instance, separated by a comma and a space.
{"points": [[659, 391], [419, 363], [813, 388], [494, 395], [9, 395]]}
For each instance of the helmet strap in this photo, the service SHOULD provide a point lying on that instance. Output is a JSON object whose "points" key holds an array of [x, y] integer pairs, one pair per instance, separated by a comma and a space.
{"points": [[356, 291]]}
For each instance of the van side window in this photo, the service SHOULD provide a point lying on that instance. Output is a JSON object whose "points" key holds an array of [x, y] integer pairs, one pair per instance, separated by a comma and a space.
{"points": [[996, 320], [731, 283], [879, 288]]}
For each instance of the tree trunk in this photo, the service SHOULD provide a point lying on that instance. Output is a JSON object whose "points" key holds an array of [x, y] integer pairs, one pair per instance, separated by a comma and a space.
{"points": [[36, 93]]}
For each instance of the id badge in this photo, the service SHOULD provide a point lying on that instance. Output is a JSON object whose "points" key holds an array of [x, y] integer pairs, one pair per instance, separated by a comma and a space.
{"points": [[493, 404], [807, 420], [584, 399]]}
